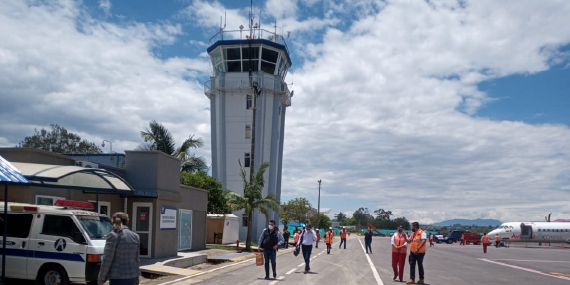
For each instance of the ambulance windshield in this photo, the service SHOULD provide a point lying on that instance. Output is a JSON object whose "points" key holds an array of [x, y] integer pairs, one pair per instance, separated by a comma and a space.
{"points": [[97, 227]]}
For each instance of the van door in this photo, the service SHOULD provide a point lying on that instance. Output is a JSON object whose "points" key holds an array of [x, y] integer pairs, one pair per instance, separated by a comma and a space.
{"points": [[17, 243], [60, 241]]}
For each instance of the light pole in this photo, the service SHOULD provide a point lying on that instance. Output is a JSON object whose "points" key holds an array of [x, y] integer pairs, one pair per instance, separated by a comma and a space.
{"points": [[319, 207], [110, 145]]}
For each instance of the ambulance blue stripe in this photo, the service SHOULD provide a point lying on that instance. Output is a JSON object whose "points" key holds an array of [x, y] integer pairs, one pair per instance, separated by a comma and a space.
{"points": [[43, 254]]}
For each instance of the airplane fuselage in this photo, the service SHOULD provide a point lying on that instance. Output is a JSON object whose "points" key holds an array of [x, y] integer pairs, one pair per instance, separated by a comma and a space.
{"points": [[532, 232]]}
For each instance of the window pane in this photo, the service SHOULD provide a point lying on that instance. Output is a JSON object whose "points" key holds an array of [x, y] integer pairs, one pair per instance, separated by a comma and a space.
{"points": [[231, 54], [254, 53], [62, 226], [248, 102], [18, 225], [246, 160], [267, 67], [216, 57], [143, 219], [253, 62], [233, 66], [269, 55], [247, 131]]}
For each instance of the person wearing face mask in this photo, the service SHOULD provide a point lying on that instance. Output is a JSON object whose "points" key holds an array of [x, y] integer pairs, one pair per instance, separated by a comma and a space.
{"points": [[308, 236], [270, 239], [399, 250], [329, 235], [417, 241]]}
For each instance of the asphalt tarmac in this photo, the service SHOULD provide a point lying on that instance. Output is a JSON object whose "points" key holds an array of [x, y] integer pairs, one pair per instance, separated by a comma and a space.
{"points": [[444, 264]]}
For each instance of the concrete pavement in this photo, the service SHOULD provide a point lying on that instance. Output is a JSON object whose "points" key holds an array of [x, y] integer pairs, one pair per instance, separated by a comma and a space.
{"points": [[444, 264]]}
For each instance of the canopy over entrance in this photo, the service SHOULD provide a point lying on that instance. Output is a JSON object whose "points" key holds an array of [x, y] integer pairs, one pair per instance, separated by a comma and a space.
{"points": [[78, 178]]}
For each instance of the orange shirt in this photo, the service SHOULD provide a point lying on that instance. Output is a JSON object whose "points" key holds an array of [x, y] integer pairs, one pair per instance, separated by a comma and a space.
{"points": [[343, 234]]}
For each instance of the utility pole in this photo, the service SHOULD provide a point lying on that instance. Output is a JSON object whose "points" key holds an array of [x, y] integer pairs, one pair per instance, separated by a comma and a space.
{"points": [[319, 207]]}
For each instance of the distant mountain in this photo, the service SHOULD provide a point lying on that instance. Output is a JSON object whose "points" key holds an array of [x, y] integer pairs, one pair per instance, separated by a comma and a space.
{"points": [[467, 222]]}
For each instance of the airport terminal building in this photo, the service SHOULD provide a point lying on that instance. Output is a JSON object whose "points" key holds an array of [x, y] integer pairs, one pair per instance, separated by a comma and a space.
{"points": [[168, 217]]}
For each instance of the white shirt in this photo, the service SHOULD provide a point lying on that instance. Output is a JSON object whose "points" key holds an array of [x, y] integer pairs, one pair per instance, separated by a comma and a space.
{"points": [[308, 237], [394, 238]]}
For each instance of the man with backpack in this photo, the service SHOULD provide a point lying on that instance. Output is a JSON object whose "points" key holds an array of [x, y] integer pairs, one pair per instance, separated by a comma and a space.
{"points": [[270, 239]]}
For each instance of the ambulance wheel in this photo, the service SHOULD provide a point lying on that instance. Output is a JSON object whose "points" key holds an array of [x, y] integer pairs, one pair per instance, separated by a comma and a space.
{"points": [[52, 275]]}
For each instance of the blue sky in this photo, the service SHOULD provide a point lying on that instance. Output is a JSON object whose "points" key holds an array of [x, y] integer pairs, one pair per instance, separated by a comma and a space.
{"points": [[434, 110]]}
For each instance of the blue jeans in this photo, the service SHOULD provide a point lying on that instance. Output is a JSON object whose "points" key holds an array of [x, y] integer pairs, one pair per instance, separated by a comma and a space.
{"points": [[317, 244], [368, 246], [270, 255], [342, 240], [130, 281], [307, 255]]}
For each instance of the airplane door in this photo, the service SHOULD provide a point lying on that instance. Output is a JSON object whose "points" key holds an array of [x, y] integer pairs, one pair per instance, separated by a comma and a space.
{"points": [[526, 232]]}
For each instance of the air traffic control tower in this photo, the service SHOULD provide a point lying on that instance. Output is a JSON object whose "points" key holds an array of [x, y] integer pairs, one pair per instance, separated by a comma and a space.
{"points": [[248, 102]]}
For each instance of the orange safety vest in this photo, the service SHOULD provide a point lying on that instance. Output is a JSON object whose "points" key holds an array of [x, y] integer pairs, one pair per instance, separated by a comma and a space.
{"points": [[399, 239], [343, 234], [329, 237], [296, 237], [496, 237], [416, 241], [485, 239], [318, 236]]}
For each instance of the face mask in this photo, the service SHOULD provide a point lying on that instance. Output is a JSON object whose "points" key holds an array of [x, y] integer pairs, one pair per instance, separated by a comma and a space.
{"points": [[414, 230], [400, 230], [270, 227]]}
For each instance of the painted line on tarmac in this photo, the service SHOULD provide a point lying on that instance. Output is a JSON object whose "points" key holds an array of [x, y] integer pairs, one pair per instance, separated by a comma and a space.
{"points": [[275, 282], [376, 276], [525, 269], [290, 271], [204, 272], [553, 261]]}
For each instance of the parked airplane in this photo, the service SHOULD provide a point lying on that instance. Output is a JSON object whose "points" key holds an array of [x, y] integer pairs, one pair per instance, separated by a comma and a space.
{"points": [[533, 231]]}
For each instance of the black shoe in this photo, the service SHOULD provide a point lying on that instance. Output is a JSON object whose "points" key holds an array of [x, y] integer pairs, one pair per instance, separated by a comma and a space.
{"points": [[394, 278], [274, 275], [306, 272], [266, 277]]}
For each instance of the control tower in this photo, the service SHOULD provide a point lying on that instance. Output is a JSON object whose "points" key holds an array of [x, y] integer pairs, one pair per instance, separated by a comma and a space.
{"points": [[248, 102]]}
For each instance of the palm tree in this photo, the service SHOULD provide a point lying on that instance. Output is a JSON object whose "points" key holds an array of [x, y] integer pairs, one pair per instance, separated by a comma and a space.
{"points": [[252, 198], [157, 137]]}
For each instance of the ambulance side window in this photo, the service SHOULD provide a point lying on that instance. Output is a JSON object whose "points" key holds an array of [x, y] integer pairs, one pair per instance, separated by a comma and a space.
{"points": [[18, 225], [62, 226]]}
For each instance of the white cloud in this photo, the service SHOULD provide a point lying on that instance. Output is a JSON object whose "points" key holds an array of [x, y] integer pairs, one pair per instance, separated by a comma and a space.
{"points": [[105, 5]]}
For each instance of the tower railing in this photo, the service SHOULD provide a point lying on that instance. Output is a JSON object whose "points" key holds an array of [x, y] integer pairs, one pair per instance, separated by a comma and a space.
{"points": [[267, 85], [246, 35]]}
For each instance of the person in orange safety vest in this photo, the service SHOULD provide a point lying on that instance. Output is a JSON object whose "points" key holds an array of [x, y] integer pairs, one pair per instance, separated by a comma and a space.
{"points": [[462, 239], [399, 251], [485, 241], [342, 237], [431, 240], [318, 237], [418, 245], [329, 235], [296, 236]]}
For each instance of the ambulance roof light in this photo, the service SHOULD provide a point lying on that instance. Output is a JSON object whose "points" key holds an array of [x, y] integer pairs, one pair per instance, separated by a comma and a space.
{"points": [[74, 204]]}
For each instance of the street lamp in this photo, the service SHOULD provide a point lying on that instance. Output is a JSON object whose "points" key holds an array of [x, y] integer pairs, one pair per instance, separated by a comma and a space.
{"points": [[110, 145], [319, 207]]}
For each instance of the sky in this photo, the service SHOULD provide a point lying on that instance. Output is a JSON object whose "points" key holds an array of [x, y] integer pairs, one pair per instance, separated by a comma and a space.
{"points": [[430, 109]]}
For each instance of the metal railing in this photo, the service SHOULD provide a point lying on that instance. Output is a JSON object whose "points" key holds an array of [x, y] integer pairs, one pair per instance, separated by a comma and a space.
{"points": [[247, 34]]}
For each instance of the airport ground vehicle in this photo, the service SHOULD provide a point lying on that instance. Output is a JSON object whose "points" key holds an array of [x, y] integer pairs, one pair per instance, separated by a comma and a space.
{"points": [[455, 236], [54, 245]]}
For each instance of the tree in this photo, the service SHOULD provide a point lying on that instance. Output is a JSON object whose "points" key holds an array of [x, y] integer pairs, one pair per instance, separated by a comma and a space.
{"points": [[252, 198], [217, 202], [402, 221], [59, 140], [381, 214], [158, 137], [362, 216], [297, 210], [340, 217], [320, 221]]}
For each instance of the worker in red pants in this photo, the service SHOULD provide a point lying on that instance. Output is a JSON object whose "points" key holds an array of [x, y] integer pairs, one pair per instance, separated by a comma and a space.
{"points": [[485, 241], [399, 251]]}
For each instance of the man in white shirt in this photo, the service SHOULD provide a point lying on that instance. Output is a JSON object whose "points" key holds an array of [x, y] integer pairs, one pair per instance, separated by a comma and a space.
{"points": [[306, 240]]}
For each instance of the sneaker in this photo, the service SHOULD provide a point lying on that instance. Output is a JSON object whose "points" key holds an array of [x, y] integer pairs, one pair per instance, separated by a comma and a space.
{"points": [[266, 277], [411, 281], [394, 278], [421, 281]]}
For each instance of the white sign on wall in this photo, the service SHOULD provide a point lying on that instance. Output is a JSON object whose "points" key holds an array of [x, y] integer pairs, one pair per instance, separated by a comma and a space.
{"points": [[167, 218]]}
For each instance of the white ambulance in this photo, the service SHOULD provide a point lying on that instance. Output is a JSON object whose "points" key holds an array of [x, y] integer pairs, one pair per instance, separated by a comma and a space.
{"points": [[54, 245]]}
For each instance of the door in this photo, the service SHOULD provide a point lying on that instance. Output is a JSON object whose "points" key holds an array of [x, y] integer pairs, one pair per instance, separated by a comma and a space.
{"points": [[58, 239], [526, 232], [185, 230], [142, 225], [17, 243]]}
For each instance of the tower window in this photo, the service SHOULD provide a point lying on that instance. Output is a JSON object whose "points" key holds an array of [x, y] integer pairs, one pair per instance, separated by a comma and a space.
{"points": [[248, 103], [244, 220], [246, 160], [247, 131]]}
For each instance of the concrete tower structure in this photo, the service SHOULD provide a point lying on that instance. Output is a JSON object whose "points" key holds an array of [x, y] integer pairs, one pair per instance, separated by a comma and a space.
{"points": [[248, 102]]}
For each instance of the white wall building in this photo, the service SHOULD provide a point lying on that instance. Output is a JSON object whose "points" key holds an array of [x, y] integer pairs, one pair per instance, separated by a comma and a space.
{"points": [[232, 91]]}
